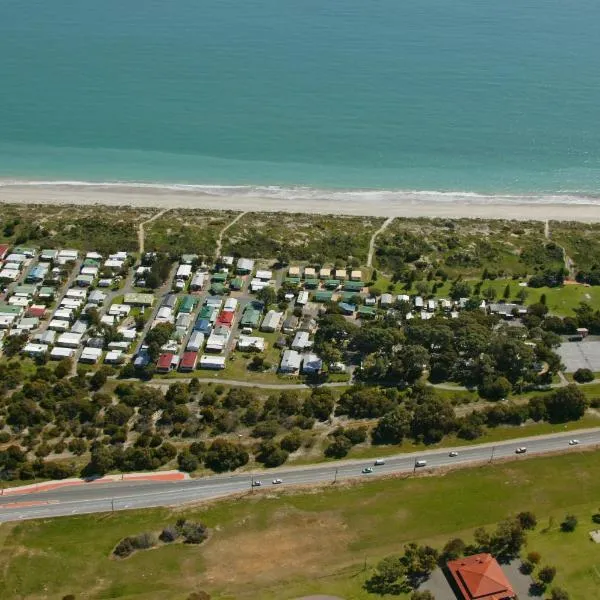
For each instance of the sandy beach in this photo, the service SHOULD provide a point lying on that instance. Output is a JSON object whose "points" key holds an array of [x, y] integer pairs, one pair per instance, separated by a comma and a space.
{"points": [[409, 204]]}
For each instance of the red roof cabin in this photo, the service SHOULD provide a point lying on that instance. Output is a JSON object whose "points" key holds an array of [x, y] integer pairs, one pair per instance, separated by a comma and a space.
{"points": [[165, 362], [225, 318], [480, 577], [36, 311], [188, 361], [3, 251]]}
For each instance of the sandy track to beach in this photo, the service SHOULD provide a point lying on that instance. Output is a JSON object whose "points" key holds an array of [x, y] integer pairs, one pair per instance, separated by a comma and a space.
{"points": [[130, 195]]}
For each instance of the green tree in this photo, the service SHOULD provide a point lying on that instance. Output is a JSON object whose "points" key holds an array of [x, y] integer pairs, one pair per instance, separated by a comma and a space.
{"points": [[569, 524], [339, 447], [393, 427], [389, 577], [267, 296], [319, 404], [422, 595], [187, 461], [547, 574], [271, 454], [566, 404], [527, 520], [223, 455], [583, 376]]}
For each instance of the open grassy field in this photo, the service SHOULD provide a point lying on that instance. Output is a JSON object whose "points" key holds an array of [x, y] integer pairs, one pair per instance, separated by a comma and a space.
{"points": [[310, 238], [278, 546]]}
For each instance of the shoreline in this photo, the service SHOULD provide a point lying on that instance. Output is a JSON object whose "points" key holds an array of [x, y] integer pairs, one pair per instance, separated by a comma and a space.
{"points": [[373, 203]]}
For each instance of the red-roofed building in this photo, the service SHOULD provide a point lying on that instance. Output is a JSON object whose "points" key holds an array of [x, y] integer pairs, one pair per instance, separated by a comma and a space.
{"points": [[188, 361], [225, 318], [36, 311], [165, 362], [3, 251], [480, 577]]}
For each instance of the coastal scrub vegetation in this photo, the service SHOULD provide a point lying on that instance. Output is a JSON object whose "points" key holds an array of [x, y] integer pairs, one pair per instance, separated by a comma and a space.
{"points": [[316, 239], [105, 230]]}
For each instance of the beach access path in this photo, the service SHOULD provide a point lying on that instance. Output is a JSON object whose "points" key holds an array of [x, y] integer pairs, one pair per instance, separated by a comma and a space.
{"points": [[141, 234], [403, 204], [386, 224]]}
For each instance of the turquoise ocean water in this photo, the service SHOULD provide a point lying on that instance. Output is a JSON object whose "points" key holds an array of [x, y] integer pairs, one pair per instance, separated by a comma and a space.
{"points": [[435, 95]]}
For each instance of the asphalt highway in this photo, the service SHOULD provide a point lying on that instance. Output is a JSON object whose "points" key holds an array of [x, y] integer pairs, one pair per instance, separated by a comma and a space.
{"points": [[124, 495]]}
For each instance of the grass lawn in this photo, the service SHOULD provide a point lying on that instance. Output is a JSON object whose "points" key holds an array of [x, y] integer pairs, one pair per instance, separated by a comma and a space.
{"points": [[276, 545]]}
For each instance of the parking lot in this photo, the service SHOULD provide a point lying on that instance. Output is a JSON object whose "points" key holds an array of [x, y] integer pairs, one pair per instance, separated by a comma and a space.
{"points": [[580, 355]]}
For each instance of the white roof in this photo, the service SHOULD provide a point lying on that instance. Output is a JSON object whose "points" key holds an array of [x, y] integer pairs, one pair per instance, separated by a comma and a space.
{"points": [[35, 349], [119, 309], [58, 324], [266, 275], [105, 282], [69, 339], [113, 356], [107, 320], [249, 341], [19, 301], [58, 352], [302, 297], [92, 354], [16, 258], [212, 361], [301, 341], [70, 303], [89, 271], [79, 327], [112, 263], [272, 320], [290, 361], [258, 284], [9, 274], [7, 320], [121, 255], [216, 341], [63, 313], [66, 253], [230, 305], [118, 345], [93, 255], [76, 293], [196, 341], [198, 279], [245, 264], [128, 334], [184, 271], [309, 272]]}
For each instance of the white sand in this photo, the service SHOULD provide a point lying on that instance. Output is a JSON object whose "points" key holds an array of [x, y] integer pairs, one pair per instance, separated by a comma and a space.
{"points": [[402, 205]]}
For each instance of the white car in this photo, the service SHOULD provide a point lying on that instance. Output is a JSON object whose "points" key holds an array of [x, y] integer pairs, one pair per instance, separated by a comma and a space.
{"points": [[277, 481], [453, 454], [367, 470], [573, 442], [521, 450], [379, 462], [256, 483]]}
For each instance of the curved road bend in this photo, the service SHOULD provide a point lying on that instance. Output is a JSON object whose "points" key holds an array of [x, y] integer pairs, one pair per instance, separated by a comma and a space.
{"points": [[125, 495]]}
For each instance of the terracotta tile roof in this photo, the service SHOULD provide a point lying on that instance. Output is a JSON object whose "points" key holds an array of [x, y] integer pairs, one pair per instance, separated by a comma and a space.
{"points": [[480, 577]]}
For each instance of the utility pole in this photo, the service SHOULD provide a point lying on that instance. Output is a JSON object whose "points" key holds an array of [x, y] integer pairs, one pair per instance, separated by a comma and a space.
{"points": [[251, 483], [112, 505], [492, 456], [335, 476]]}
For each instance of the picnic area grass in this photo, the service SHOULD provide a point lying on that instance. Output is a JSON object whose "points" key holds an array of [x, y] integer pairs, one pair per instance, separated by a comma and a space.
{"points": [[275, 545]]}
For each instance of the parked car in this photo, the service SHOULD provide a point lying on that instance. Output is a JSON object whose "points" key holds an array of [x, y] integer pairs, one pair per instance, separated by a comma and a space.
{"points": [[521, 450]]}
